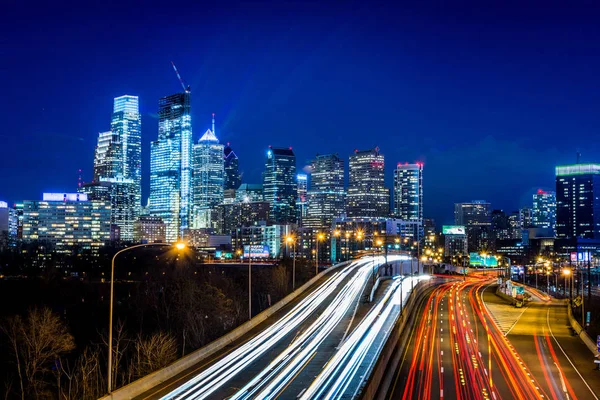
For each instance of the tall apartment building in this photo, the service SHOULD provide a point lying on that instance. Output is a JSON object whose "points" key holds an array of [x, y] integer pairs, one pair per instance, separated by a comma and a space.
{"points": [[408, 192]]}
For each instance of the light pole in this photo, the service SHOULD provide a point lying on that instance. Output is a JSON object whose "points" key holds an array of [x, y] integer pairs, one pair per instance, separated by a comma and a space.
{"points": [[291, 239], [338, 237], [178, 246], [250, 280], [320, 236], [347, 246], [567, 273]]}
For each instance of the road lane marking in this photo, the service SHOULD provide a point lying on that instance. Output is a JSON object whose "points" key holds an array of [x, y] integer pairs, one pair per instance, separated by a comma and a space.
{"points": [[566, 356]]}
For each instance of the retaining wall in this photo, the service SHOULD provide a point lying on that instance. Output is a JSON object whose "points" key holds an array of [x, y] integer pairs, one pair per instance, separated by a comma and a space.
{"points": [[583, 335]]}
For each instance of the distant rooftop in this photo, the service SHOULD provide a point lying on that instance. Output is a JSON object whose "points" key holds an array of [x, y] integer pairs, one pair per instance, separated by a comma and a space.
{"points": [[278, 151], [577, 169], [208, 136]]}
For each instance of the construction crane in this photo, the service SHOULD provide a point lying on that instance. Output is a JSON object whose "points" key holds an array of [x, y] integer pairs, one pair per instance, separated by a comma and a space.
{"points": [[185, 89]]}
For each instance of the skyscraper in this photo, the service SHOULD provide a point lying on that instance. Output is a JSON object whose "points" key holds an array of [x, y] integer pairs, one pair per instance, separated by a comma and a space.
{"points": [[302, 189], [280, 185], [232, 169], [171, 165], [544, 210], [578, 201], [408, 191], [108, 158], [209, 177], [476, 217], [367, 195], [126, 123], [326, 197], [117, 166]]}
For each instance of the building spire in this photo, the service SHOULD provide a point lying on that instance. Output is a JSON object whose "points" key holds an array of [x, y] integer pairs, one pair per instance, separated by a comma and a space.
{"points": [[213, 124]]}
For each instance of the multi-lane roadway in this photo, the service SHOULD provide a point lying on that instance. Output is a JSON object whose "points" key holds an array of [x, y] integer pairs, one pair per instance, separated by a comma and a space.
{"points": [[317, 348], [456, 350]]}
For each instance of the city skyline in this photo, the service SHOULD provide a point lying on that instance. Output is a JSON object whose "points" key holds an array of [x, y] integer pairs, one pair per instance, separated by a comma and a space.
{"points": [[268, 101]]}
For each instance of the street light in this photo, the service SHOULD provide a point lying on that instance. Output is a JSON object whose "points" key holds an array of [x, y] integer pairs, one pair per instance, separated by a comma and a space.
{"points": [[291, 239], [320, 236], [337, 234], [567, 273], [178, 246]]}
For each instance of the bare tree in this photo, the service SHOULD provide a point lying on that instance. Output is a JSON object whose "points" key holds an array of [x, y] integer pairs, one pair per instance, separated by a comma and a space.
{"points": [[37, 342], [153, 353]]}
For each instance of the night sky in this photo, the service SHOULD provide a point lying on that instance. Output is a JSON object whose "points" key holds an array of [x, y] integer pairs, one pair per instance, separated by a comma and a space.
{"points": [[490, 99]]}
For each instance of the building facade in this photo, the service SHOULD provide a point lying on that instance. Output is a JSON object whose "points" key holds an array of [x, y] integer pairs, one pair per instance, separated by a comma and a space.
{"points": [[408, 192], [578, 201], [233, 179], [149, 229], [280, 186], [544, 210], [121, 194], [475, 216], [67, 220], [231, 216], [249, 192], [208, 179], [126, 124], [272, 236], [326, 197], [367, 194], [171, 165]]}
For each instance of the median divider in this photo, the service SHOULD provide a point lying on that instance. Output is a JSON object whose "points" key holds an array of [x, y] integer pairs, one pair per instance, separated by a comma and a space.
{"points": [[156, 378], [388, 359]]}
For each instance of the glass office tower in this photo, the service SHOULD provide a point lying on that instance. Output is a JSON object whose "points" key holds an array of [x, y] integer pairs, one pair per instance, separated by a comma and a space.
{"points": [[126, 123], [279, 184], [208, 178], [171, 165]]}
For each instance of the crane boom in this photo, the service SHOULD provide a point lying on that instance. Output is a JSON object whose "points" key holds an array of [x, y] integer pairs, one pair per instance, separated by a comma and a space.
{"points": [[179, 77]]}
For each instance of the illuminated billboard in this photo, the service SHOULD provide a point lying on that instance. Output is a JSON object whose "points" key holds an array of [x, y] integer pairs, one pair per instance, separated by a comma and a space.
{"points": [[65, 197], [453, 230], [3, 204], [481, 260], [257, 251]]}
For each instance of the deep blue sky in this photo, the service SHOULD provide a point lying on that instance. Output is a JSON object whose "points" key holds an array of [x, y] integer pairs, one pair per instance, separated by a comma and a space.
{"points": [[489, 97]]}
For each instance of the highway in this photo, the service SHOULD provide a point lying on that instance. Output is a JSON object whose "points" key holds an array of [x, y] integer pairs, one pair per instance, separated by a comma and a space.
{"points": [[456, 351], [284, 357]]}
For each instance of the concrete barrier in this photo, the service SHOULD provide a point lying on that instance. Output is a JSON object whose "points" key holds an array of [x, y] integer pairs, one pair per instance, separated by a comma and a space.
{"points": [[504, 296], [154, 379], [583, 335], [385, 360]]}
